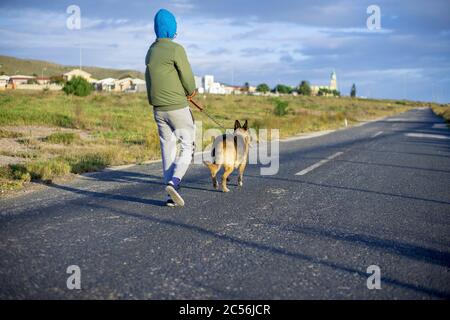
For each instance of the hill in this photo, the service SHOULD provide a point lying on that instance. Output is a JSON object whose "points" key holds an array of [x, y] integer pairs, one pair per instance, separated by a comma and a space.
{"points": [[12, 66]]}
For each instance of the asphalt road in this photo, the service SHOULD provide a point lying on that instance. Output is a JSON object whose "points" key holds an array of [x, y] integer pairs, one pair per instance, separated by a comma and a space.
{"points": [[379, 196]]}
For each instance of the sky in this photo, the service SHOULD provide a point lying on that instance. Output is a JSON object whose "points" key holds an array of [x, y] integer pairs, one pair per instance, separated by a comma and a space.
{"points": [[238, 41]]}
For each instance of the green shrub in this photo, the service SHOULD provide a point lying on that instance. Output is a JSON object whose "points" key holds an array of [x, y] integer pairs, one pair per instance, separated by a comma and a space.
{"points": [[13, 177], [304, 88], [280, 107], [328, 92], [89, 162], [47, 170], [263, 87], [78, 86]]}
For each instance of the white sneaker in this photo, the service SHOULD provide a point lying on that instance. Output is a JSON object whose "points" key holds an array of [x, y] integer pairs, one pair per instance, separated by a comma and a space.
{"points": [[174, 195]]}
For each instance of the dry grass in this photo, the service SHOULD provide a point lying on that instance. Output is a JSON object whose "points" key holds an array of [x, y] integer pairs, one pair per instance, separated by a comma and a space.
{"points": [[443, 111], [61, 134]]}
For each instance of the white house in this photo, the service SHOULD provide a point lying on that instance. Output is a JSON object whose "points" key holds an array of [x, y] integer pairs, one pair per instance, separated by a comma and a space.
{"points": [[123, 84], [3, 81], [79, 73], [216, 88], [106, 84], [138, 85], [43, 80], [208, 81], [19, 79]]}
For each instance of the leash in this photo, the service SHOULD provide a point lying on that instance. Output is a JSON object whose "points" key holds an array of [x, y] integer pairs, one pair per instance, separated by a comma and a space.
{"points": [[202, 109]]}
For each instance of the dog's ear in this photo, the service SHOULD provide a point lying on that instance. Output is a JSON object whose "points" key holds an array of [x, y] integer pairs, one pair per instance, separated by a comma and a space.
{"points": [[245, 126], [237, 124]]}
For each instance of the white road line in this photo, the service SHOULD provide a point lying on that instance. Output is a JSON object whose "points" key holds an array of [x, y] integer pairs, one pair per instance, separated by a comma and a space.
{"points": [[377, 134], [318, 164], [440, 126], [426, 135]]}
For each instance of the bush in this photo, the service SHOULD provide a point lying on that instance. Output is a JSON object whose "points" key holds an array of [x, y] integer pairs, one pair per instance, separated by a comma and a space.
{"points": [[280, 107], [78, 86], [13, 177], [263, 87], [283, 89], [328, 92], [304, 88], [47, 170]]}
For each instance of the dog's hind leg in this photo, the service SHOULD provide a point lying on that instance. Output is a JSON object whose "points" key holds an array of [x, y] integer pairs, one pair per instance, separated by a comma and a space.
{"points": [[227, 172], [213, 168], [241, 173]]}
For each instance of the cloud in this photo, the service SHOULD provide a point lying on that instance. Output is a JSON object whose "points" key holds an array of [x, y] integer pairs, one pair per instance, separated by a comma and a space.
{"points": [[181, 6], [254, 41], [219, 51]]}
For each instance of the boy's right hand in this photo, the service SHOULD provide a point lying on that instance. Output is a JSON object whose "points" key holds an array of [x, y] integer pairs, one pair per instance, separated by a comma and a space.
{"points": [[192, 95]]}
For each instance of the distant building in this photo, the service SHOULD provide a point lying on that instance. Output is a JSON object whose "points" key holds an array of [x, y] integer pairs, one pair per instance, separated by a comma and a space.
{"points": [[333, 85], [79, 73], [138, 85], [19, 79], [106, 84], [208, 82], [232, 89], [4, 80], [123, 84], [333, 81], [198, 82], [43, 80]]}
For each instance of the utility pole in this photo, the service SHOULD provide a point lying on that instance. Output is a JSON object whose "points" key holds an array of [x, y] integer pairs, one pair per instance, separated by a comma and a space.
{"points": [[232, 75], [80, 55], [432, 92], [404, 87]]}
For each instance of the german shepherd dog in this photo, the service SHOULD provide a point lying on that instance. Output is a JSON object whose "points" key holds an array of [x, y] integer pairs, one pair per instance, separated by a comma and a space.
{"points": [[231, 152]]}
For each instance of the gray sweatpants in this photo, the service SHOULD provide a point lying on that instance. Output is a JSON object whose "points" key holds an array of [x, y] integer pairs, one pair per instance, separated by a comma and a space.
{"points": [[175, 126]]}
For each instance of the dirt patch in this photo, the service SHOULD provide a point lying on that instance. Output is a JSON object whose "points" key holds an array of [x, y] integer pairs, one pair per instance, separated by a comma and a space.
{"points": [[29, 143], [40, 132], [6, 160], [11, 145]]}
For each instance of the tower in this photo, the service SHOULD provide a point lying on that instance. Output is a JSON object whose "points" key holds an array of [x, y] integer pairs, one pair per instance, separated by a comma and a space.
{"points": [[208, 81], [333, 81]]}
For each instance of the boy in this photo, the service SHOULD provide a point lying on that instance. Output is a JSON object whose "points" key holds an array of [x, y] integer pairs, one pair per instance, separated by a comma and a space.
{"points": [[170, 82]]}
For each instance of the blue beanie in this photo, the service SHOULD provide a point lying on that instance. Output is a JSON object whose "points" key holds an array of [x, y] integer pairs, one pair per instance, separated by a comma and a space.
{"points": [[165, 24]]}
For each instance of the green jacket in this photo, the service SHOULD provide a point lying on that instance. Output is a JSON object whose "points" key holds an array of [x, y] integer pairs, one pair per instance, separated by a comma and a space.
{"points": [[168, 75]]}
